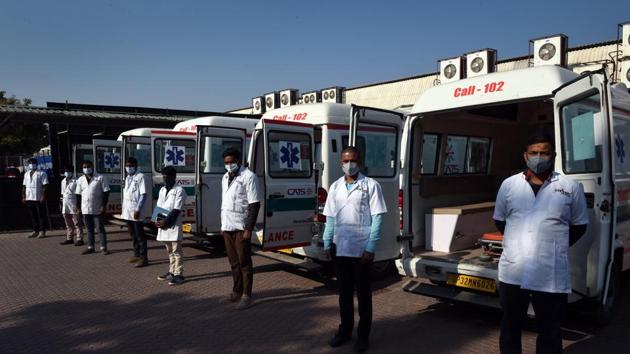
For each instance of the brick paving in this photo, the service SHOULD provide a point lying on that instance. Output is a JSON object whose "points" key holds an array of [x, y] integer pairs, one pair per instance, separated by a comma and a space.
{"points": [[54, 300]]}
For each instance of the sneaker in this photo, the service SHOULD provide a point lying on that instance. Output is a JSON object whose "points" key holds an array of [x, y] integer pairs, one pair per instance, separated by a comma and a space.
{"points": [[79, 243], [338, 340], [104, 251], [177, 280], [133, 259], [33, 234], [88, 251], [143, 262], [234, 297], [246, 302], [42, 234], [66, 242], [167, 276], [361, 345]]}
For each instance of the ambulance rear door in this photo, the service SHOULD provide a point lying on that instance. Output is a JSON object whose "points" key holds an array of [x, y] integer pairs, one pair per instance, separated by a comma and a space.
{"points": [[290, 192], [139, 147], [211, 143], [108, 163]]}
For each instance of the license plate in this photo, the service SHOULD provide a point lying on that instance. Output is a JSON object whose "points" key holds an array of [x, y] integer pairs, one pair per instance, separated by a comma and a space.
{"points": [[470, 282]]}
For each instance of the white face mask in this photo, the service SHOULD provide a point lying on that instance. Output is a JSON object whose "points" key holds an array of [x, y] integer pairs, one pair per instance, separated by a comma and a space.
{"points": [[231, 167], [130, 170], [68, 174], [350, 168], [87, 170], [32, 167]]}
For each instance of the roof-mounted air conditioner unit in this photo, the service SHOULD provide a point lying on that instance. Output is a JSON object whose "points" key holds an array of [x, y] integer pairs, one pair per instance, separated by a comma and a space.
{"points": [[481, 62]]}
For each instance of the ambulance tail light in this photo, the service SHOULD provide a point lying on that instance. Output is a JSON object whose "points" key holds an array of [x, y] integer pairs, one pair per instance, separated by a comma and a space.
{"points": [[321, 201], [400, 207]]}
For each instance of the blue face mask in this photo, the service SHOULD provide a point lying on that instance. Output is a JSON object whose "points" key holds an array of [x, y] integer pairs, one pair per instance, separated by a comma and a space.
{"points": [[539, 164], [68, 174], [87, 170], [130, 170]]}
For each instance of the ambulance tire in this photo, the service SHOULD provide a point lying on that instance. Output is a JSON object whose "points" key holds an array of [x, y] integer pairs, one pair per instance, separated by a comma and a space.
{"points": [[382, 269], [604, 314]]}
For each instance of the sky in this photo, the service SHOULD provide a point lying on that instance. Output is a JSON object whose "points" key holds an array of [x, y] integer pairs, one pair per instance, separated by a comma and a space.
{"points": [[217, 55]]}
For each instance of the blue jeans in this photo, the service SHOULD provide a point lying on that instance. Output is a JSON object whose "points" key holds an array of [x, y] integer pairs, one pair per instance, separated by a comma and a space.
{"points": [[90, 220]]}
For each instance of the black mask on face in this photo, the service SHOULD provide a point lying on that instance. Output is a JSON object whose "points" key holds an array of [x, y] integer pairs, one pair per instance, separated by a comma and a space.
{"points": [[169, 181]]}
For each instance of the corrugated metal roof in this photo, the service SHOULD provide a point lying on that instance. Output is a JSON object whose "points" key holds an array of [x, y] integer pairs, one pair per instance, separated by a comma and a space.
{"points": [[89, 114]]}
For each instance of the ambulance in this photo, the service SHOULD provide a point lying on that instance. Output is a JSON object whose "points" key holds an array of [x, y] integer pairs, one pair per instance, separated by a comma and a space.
{"points": [[178, 148], [463, 138], [295, 152]]}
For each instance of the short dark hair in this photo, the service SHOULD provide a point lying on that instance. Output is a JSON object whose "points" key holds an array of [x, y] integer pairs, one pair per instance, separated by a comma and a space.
{"points": [[32, 160], [540, 137], [87, 162], [68, 168], [169, 171], [232, 152], [132, 160], [352, 150]]}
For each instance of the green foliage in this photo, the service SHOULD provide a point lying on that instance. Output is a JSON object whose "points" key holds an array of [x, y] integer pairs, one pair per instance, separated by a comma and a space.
{"points": [[19, 137]]}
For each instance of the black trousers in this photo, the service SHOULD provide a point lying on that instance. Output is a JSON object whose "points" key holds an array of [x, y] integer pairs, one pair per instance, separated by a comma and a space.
{"points": [[38, 214], [239, 252], [549, 308], [353, 274], [136, 230]]}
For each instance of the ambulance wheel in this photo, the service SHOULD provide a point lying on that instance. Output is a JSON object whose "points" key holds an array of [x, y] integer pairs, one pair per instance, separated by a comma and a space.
{"points": [[382, 269], [605, 313]]}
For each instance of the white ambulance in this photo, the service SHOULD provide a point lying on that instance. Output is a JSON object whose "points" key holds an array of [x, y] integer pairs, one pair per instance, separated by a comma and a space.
{"points": [[178, 148], [295, 153], [462, 139]]}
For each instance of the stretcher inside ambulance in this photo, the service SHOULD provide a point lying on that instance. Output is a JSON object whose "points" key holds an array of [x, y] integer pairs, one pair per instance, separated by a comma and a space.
{"points": [[462, 139]]}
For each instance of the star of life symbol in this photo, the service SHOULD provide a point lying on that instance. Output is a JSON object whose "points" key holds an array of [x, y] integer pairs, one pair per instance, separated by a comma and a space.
{"points": [[290, 155], [112, 160], [174, 156]]}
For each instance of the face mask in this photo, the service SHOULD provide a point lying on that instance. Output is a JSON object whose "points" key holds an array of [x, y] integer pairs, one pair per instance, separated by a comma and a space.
{"points": [[169, 182], [350, 168], [231, 167], [87, 170], [32, 167], [68, 174], [130, 170], [539, 164]]}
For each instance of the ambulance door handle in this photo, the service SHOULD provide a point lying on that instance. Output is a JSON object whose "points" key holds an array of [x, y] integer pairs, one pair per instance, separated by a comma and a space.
{"points": [[276, 196], [605, 206]]}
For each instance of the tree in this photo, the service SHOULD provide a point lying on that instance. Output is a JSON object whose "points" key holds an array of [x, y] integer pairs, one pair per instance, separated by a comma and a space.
{"points": [[20, 137]]}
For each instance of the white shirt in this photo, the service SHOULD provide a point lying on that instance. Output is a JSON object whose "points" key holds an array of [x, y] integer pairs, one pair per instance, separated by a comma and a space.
{"points": [[68, 195], [135, 186], [536, 240], [34, 185], [173, 199], [236, 197], [353, 210], [92, 193]]}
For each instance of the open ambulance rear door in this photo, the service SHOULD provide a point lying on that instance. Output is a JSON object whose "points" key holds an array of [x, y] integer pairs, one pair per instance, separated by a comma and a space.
{"points": [[108, 163]]}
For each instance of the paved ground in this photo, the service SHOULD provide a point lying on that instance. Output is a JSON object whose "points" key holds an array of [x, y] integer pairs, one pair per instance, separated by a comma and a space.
{"points": [[54, 300]]}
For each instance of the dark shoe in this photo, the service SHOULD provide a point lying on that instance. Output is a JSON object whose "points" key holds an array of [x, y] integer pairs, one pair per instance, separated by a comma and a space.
{"points": [[79, 243], [177, 280], [133, 259], [143, 262], [88, 251], [361, 345], [104, 252], [167, 276], [338, 340], [66, 242]]}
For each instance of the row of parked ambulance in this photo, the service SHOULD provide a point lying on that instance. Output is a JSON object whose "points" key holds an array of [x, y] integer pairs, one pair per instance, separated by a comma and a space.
{"points": [[440, 167]]}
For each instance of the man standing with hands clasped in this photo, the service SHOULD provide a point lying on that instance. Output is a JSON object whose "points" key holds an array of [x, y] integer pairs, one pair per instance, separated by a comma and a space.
{"points": [[353, 211], [133, 210], [240, 203], [34, 196], [93, 190], [541, 214]]}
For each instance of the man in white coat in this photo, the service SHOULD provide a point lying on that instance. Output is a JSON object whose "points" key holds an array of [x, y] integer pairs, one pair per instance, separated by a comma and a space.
{"points": [[353, 211], [135, 190], [541, 214], [240, 203], [34, 196], [171, 200], [93, 190], [69, 206]]}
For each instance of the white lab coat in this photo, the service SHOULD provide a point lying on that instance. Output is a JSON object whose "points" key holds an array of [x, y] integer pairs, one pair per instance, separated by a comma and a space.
{"points": [[353, 211], [135, 186], [92, 193], [68, 196], [34, 185], [173, 199], [536, 240], [236, 197]]}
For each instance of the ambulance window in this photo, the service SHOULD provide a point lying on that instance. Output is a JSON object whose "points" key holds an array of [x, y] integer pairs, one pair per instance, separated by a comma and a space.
{"points": [[212, 148], [478, 155], [142, 153], [289, 155], [466, 155], [107, 159], [179, 153], [430, 148], [580, 150], [378, 149]]}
